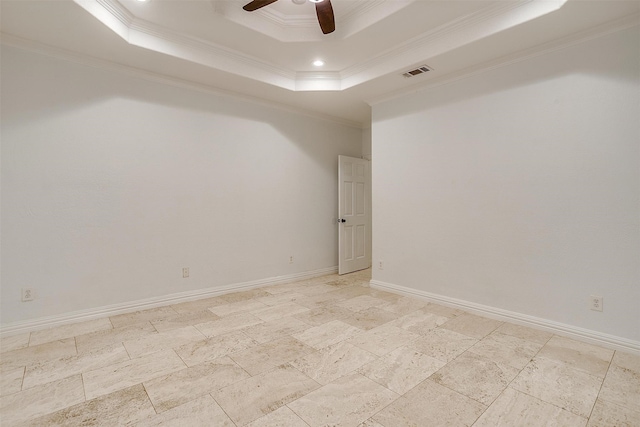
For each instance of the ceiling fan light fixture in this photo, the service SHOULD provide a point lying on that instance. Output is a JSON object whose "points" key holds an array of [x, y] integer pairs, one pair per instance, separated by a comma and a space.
{"points": [[324, 11]]}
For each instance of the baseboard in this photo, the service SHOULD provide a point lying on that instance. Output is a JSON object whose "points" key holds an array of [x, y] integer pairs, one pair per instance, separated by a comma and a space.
{"points": [[586, 335], [131, 306]]}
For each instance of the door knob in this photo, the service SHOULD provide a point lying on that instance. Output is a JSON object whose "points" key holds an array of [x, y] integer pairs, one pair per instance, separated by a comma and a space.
{"points": [[342, 220]]}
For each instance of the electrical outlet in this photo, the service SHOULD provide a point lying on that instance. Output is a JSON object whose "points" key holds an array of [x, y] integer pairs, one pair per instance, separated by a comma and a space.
{"points": [[595, 303], [380, 265], [27, 294], [185, 272], [291, 259]]}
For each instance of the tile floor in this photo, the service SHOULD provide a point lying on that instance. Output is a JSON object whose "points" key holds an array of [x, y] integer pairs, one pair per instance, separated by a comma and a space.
{"points": [[329, 351]]}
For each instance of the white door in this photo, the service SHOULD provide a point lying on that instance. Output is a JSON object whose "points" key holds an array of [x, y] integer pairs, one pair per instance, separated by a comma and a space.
{"points": [[354, 221]]}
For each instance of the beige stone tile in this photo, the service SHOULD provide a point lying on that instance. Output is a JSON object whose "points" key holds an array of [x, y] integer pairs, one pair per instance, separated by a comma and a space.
{"points": [[622, 386], [266, 356], [522, 332], [69, 331], [402, 369], [281, 417], [142, 316], [328, 299], [513, 408], [200, 412], [315, 289], [244, 295], [476, 377], [370, 423], [556, 383], [283, 288], [506, 349], [419, 322], [362, 302], [121, 375], [275, 312], [347, 401], [41, 400], [384, 295], [343, 282], [31, 355], [276, 329], [627, 361], [404, 305], [11, 380], [164, 340], [326, 278], [94, 341], [443, 310], [14, 342], [383, 339], [250, 399], [333, 362], [590, 358], [212, 348], [282, 298], [184, 385], [241, 306], [57, 369], [430, 404], [324, 314], [369, 318], [471, 325], [607, 414], [183, 320], [350, 292], [443, 344], [228, 324], [120, 408], [197, 305], [327, 334]]}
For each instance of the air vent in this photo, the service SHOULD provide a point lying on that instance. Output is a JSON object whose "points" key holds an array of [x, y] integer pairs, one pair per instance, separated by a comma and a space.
{"points": [[420, 70]]}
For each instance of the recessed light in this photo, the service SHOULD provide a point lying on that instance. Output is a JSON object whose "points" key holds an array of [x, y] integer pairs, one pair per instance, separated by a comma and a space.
{"points": [[318, 63], [316, 1], [142, 1]]}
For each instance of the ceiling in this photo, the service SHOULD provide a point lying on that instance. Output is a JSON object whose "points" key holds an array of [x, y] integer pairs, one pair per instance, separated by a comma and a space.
{"points": [[267, 55]]}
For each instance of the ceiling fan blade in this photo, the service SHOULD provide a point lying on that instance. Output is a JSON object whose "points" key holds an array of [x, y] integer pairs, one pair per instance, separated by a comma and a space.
{"points": [[325, 16], [257, 4]]}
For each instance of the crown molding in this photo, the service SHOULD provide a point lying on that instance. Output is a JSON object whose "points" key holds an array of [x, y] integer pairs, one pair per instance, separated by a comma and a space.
{"points": [[150, 36], [85, 60], [524, 55], [447, 37], [352, 18]]}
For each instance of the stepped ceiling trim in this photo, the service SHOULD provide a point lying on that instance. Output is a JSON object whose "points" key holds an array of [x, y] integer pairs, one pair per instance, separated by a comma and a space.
{"points": [[353, 18], [418, 50], [527, 54]]}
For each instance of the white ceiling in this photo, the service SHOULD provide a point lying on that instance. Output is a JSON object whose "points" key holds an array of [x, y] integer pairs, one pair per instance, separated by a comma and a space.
{"points": [[268, 54]]}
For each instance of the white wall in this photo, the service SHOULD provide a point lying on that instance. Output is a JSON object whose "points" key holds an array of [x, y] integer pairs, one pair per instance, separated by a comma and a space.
{"points": [[519, 188], [111, 184]]}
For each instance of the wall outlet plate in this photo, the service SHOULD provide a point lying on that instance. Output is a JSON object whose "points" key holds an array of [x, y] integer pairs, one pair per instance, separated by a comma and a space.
{"points": [[595, 303], [185, 272], [28, 294]]}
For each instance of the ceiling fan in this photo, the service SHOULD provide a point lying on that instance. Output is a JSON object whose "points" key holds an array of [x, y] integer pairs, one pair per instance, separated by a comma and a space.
{"points": [[323, 10]]}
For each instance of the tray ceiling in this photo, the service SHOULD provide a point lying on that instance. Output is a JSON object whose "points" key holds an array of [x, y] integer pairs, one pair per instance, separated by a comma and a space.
{"points": [[268, 55]]}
